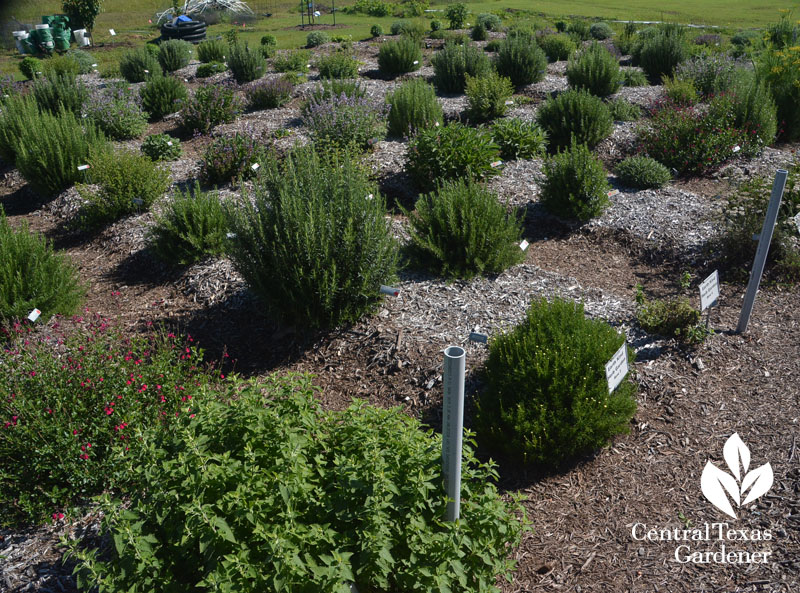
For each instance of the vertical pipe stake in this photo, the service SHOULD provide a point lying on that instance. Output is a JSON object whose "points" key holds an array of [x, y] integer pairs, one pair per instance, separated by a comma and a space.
{"points": [[453, 427]]}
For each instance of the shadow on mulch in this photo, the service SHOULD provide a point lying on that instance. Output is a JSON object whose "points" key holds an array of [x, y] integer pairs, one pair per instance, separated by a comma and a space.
{"points": [[21, 202]]}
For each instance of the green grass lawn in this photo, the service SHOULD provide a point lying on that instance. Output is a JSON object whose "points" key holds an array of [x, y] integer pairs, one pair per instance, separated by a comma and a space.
{"points": [[129, 18]]}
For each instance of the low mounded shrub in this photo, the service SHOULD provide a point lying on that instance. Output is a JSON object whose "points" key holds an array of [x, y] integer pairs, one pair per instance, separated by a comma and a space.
{"points": [[315, 245], [577, 114], [451, 152], [162, 147], [138, 65], [487, 96], [461, 230], [292, 61], [601, 31], [376, 31], [316, 38], [680, 92], [343, 122], [191, 227], [210, 106], [269, 94], [575, 184], [436, 25], [661, 53], [546, 398], [161, 96], [595, 70], [413, 107], [33, 276], [642, 172], [365, 506], [245, 64], [399, 57], [85, 60], [633, 77], [492, 45], [30, 67], [70, 429], [556, 47], [778, 70], [580, 29], [118, 112], [123, 182], [51, 148], [453, 63], [335, 87], [339, 64], [210, 69], [230, 158], [673, 318], [174, 54], [60, 66], [520, 60], [60, 90], [269, 40], [622, 110], [491, 22], [519, 139], [211, 50]]}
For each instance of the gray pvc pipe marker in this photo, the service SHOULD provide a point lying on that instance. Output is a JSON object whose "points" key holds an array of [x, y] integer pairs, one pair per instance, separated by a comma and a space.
{"points": [[453, 427]]}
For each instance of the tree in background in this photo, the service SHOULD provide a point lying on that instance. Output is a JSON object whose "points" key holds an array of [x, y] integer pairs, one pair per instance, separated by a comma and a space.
{"points": [[81, 13]]}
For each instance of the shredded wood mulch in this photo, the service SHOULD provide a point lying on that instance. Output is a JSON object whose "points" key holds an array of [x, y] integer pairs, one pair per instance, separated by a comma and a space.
{"points": [[589, 518]]}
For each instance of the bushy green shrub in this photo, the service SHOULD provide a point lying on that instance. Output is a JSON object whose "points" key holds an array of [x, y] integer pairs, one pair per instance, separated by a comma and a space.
{"points": [[230, 158], [661, 53], [436, 25], [267, 51], [174, 54], [30, 67], [461, 230], [60, 90], [52, 147], [452, 63], [363, 505], [451, 152], [493, 45], [162, 147], [335, 87], [556, 47], [317, 38], [673, 318], [19, 112], [210, 69], [161, 96], [60, 65], [399, 27], [118, 112], [622, 110], [642, 172], [210, 106], [292, 61], [744, 38], [546, 399], [269, 39], [191, 227], [575, 184], [755, 113], [315, 245], [376, 31], [577, 114], [70, 430], [710, 74], [680, 92], [491, 22], [413, 107], [778, 69], [269, 94], [339, 64], [211, 50], [122, 182], [343, 122], [376, 8], [595, 70], [85, 60], [487, 96], [479, 33], [601, 31], [152, 48], [137, 65], [519, 139], [633, 77], [580, 29], [399, 57], [521, 61], [245, 64], [34, 276], [456, 14], [110, 71]]}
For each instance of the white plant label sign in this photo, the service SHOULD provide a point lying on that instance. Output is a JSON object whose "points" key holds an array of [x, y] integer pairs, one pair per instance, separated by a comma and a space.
{"points": [[709, 291], [34, 315], [112, 31], [524, 245], [390, 290], [617, 368], [717, 485]]}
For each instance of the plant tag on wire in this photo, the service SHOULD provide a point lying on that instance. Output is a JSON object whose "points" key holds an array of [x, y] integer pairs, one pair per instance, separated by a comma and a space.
{"points": [[113, 32], [390, 290], [416, 62], [478, 337], [496, 164], [169, 142], [612, 193], [523, 245], [230, 235], [82, 167], [255, 166], [34, 315], [509, 102]]}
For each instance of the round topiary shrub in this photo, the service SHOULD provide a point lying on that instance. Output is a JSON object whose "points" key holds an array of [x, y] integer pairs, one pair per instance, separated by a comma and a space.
{"points": [[556, 47], [34, 276], [30, 67], [575, 113], [451, 152], [601, 31], [520, 60], [642, 172], [316, 38], [314, 244], [595, 70], [345, 502], [575, 184], [546, 399], [414, 106], [269, 39], [461, 230], [161, 95], [376, 31]]}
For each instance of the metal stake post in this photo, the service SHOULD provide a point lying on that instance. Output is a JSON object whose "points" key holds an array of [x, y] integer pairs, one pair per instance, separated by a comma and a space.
{"points": [[453, 427]]}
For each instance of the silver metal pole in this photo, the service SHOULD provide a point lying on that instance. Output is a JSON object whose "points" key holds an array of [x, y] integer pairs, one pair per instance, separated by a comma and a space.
{"points": [[453, 427], [763, 249]]}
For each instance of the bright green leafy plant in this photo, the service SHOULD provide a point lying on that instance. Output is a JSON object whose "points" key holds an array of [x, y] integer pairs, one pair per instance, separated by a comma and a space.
{"points": [[138, 65], [577, 114], [519, 139], [162, 147], [413, 107], [575, 184], [642, 172]]}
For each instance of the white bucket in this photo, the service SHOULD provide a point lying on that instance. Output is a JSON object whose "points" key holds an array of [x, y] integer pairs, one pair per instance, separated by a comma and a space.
{"points": [[42, 26], [86, 41], [79, 36], [20, 34]]}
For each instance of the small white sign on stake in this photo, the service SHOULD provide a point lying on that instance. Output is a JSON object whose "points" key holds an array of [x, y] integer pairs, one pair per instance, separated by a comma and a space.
{"points": [[509, 102], [230, 235], [617, 368], [613, 193], [34, 315], [82, 167], [169, 142], [709, 291], [524, 245], [478, 337], [390, 290], [416, 62], [112, 31], [496, 164], [255, 166]]}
